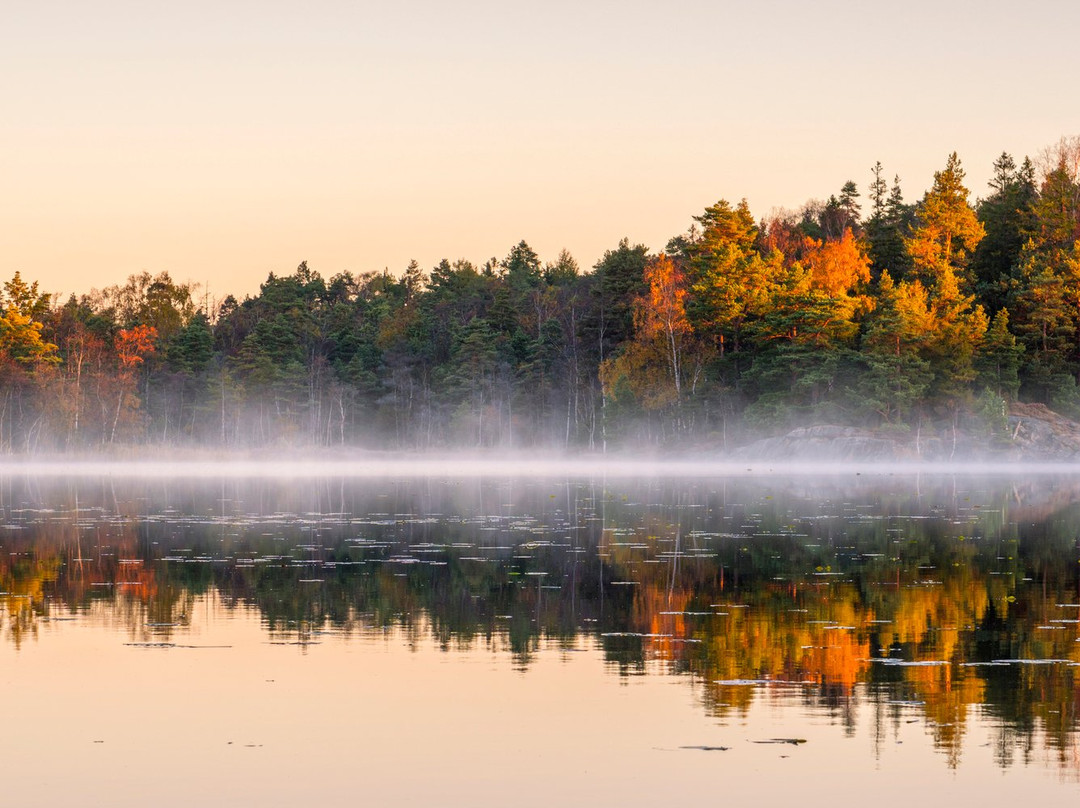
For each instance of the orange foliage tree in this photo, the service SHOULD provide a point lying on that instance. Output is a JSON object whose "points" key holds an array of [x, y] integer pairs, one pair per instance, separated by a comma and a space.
{"points": [[664, 358], [133, 346], [836, 267]]}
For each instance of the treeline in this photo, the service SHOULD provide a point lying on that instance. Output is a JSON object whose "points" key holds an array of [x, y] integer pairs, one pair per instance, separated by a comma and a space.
{"points": [[866, 311]]}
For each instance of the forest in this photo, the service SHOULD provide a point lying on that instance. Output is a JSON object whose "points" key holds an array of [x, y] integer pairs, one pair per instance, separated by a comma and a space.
{"points": [[862, 309]]}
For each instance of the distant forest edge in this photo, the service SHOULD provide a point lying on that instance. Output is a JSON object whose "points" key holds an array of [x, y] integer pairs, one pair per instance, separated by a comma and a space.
{"points": [[927, 317]]}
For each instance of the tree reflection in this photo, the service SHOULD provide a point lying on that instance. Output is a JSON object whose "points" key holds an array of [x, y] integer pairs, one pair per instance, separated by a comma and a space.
{"points": [[935, 602]]}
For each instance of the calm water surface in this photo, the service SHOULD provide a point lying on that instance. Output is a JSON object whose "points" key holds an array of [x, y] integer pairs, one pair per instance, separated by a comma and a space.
{"points": [[485, 641]]}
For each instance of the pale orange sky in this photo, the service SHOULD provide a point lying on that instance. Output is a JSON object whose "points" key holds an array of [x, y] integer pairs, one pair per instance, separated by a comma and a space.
{"points": [[221, 141]]}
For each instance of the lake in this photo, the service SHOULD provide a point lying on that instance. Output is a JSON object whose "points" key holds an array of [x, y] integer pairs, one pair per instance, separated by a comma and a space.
{"points": [[459, 635]]}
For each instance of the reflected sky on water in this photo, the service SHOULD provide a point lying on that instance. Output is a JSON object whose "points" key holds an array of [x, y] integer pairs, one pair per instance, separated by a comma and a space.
{"points": [[473, 640]]}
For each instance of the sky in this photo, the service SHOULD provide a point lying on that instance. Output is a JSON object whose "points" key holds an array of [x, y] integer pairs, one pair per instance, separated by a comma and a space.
{"points": [[220, 141]]}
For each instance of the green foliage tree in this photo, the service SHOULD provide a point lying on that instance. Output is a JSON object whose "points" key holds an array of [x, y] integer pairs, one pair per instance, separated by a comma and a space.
{"points": [[997, 361], [897, 376], [193, 346], [618, 279], [889, 222], [1044, 319], [522, 267], [730, 281], [1057, 210], [1008, 217]]}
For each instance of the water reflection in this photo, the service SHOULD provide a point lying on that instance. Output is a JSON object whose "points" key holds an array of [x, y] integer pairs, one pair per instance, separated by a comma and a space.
{"points": [[911, 599]]}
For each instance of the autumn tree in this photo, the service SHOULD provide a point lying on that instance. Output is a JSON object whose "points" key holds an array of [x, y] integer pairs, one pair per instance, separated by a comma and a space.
{"points": [[133, 346], [25, 358], [26, 298], [946, 229], [661, 316], [806, 332], [21, 343], [664, 361], [837, 266], [957, 329]]}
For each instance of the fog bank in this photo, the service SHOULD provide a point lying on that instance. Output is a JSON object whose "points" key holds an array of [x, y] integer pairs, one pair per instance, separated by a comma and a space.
{"points": [[449, 466]]}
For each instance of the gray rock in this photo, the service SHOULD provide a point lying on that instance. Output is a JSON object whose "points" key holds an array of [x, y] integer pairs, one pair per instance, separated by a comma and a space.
{"points": [[1036, 434], [825, 442]]}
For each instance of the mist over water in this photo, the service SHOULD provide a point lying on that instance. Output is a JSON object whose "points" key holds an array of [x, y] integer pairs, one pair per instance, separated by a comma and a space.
{"points": [[507, 465]]}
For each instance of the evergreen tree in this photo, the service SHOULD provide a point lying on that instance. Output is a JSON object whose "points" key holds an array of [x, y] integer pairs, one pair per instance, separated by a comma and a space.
{"points": [[193, 347], [956, 331], [1057, 211], [729, 280], [1042, 320], [563, 271], [1007, 215], [897, 375], [879, 190], [885, 232], [805, 335], [476, 378], [522, 268], [997, 362], [618, 279], [946, 230]]}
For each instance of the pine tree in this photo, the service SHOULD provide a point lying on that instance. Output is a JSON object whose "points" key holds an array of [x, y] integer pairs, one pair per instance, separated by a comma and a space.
{"points": [[897, 375], [885, 232], [878, 192], [997, 362], [729, 280], [1008, 218], [946, 229]]}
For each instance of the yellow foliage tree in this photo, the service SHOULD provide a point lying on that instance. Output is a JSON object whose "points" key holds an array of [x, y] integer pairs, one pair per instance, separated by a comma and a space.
{"points": [[947, 230], [21, 342]]}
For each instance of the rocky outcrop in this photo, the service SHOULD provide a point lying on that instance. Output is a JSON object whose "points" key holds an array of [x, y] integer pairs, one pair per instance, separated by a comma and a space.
{"points": [[827, 443], [1035, 434], [1039, 433]]}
